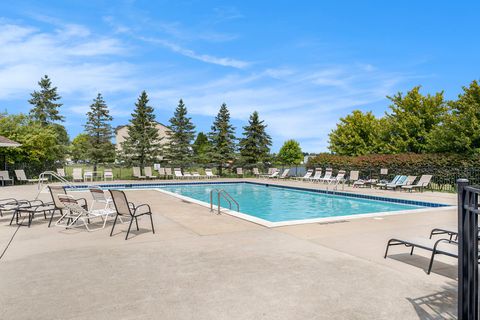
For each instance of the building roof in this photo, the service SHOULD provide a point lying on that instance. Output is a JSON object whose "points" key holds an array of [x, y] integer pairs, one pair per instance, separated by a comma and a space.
{"points": [[4, 142], [126, 125]]}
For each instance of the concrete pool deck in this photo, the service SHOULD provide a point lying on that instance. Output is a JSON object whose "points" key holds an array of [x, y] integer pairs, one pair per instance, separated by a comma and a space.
{"points": [[199, 265]]}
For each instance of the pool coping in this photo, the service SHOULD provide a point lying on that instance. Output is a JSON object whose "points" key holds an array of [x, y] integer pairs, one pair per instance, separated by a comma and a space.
{"points": [[429, 206]]}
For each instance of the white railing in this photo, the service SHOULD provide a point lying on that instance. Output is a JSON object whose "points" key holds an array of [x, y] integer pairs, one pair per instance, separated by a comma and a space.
{"points": [[45, 177], [222, 193]]}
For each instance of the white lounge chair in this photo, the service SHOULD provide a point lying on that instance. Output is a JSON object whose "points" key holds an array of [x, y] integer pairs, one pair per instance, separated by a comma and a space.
{"points": [[394, 181], [187, 175], [327, 176], [209, 174], [88, 175], [77, 174], [168, 173], [178, 173], [74, 213], [61, 172], [307, 175], [284, 174], [137, 173], [274, 175], [108, 174], [317, 176], [240, 172], [256, 173], [421, 184], [149, 174], [196, 175], [354, 176], [337, 179], [21, 176], [408, 181]]}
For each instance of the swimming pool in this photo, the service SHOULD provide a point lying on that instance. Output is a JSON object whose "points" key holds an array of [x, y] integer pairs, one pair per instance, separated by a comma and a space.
{"points": [[274, 205]]}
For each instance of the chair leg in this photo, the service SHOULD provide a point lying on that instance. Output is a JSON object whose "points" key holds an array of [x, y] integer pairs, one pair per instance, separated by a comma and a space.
{"points": [[151, 221], [114, 222], [136, 222], [386, 250], [13, 216], [51, 216], [431, 262], [129, 227]]}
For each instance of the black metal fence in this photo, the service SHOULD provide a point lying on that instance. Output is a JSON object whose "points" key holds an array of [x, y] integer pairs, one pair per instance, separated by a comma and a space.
{"points": [[468, 210]]}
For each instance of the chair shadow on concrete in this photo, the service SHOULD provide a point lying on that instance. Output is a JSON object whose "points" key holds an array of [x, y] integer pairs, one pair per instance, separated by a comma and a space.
{"points": [[437, 306], [441, 268]]}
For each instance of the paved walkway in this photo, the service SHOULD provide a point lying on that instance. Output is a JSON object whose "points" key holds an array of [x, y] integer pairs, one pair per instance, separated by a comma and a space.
{"points": [[200, 265]]}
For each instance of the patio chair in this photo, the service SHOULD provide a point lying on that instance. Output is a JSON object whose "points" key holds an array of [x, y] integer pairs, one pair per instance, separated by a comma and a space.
{"points": [[168, 173], [61, 172], [407, 181], [340, 177], [5, 177], [240, 172], [196, 175], [317, 176], [76, 213], [21, 176], [327, 176], [273, 175], [452, 233], [441, 246], [98, 196], [284, 174], [187, 175], [365, 183], [161, 172], [353, 177], [209, 174], [137, 173], [178, 173], [8, 205], [128, 209], [149, 174], [307, 175], [55, 191], [77, 174], [30, 207], [422, 183], [384, 184], [88, 175], [108, 174], [256, 173]]}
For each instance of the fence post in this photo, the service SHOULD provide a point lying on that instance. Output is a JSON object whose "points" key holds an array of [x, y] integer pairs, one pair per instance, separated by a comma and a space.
{"points": [[467, 252]]}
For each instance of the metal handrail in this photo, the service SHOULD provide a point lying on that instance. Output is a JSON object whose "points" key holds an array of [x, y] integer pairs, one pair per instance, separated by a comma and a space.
{"points": [[226, 196], [44, 177]]}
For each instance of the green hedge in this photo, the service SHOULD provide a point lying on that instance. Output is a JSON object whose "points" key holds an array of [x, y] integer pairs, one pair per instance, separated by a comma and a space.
{"points": [[446, 168]]}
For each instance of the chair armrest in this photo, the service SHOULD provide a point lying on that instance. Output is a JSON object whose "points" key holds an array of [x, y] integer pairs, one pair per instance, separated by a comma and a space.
{"points": [[143, 206]]}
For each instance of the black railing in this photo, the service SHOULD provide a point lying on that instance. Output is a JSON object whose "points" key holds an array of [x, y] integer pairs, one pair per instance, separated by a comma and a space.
{"points": [[468, 210]]}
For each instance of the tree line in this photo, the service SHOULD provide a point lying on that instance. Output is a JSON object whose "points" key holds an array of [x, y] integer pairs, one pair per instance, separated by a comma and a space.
{"points": [[45, 140], [415, 123]]}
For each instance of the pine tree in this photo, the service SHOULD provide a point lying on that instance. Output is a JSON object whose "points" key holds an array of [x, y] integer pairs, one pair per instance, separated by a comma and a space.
{"points": [[143, 142], [255, 146], [200, 147], [45, 108], [222, 139], [100, 133], [180, 135]]}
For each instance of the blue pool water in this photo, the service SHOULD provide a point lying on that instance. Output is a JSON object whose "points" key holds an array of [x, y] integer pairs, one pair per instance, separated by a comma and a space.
{"points": [[277, 204]]}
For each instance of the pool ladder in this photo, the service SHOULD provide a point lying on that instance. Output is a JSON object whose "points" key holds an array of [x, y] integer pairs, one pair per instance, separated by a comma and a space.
{"points": [[222, 193]]}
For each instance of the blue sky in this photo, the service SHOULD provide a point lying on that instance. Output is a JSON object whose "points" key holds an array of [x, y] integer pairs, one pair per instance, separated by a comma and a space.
{"points": [[301, 64]]}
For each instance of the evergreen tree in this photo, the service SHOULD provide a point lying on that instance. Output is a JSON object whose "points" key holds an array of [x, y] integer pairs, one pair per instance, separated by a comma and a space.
{"points": [[200, 147], [255, 146], [143, 142], [180, 135], [222, 139], [99, 130], [45, 105], [290, 153]]}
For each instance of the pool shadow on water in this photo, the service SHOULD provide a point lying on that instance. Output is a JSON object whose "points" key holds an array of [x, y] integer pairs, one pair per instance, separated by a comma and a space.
{"points": [[448, 270], [437, 306]]}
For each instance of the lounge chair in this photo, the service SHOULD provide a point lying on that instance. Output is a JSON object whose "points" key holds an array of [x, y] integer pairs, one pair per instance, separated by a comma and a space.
{"points": [[55, 192], [88, 175], [178, 173], [284, 174], [9, 205], [161, 172], [77, 174], [240, 172], [30, 208], [452, 233], [149, 174], [327, 176], [75, 213], [5, 177], [273, 175], [338, 179], [306, 176], [187, 175], [405, 182], [196, 175], [394, 181], [270, 172], [317, 176], [256, 173], [421, 184], [168, 173], [128, 209], [61, 172], [353, 177], [108, 174], [21, 176], [98, 196], [137, 173], [209, 174], [441, 246]]}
